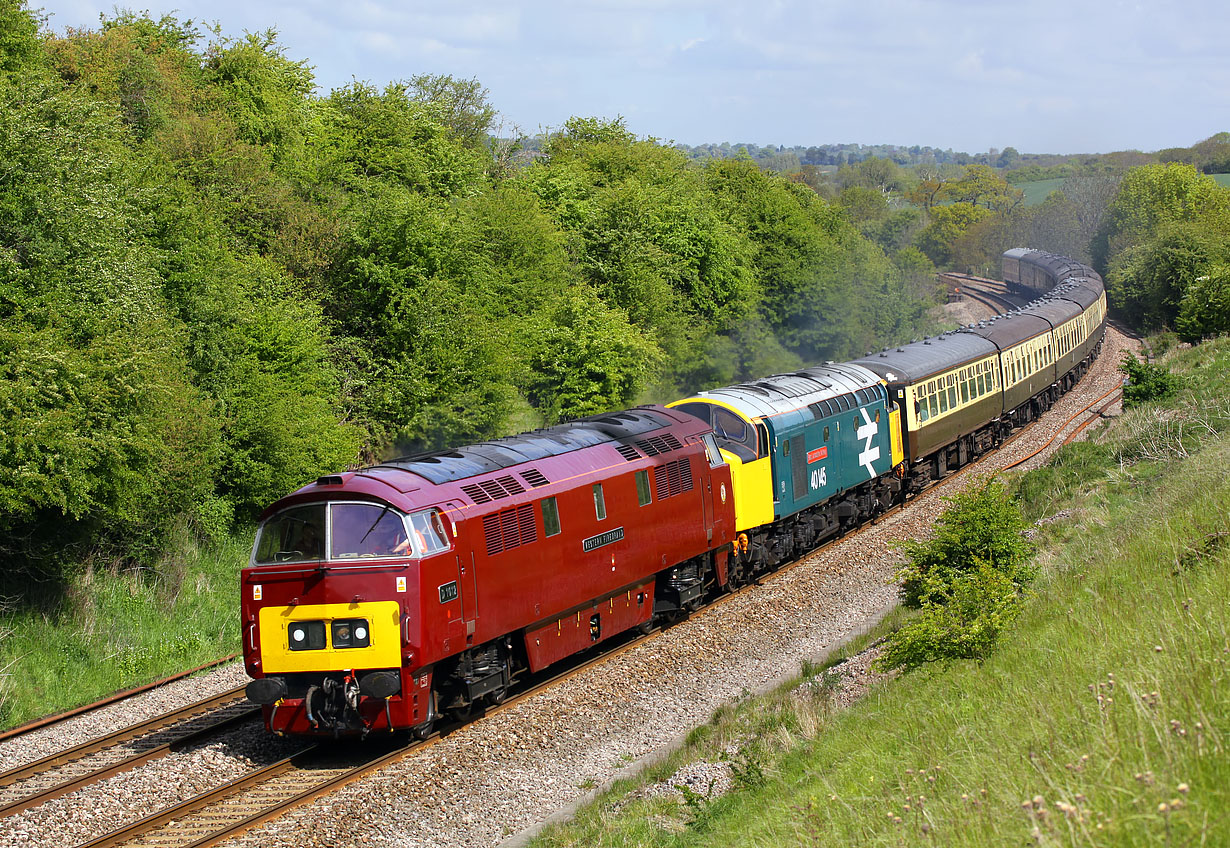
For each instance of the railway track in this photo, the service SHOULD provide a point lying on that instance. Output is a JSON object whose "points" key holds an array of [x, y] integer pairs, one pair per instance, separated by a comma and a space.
{"points": [[232, 808], [66, 771], [994, 294], [1111, 397]]}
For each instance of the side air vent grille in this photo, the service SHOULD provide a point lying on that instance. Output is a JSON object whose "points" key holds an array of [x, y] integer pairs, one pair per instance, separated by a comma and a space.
{"points": [[655, 445], [534, 477], [673, 478], [628, 452], [509, 528]]}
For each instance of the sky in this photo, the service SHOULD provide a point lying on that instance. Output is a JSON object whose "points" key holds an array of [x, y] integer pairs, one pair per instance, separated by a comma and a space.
{"points": [[1045, 76]]}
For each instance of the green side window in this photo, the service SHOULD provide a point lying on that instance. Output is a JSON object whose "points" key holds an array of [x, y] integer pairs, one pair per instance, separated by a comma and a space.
{"points": [[550, 517], [642, 487]]}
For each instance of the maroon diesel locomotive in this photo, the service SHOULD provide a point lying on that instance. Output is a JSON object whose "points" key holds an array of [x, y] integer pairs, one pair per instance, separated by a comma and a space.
{"points": [[382, 598]]}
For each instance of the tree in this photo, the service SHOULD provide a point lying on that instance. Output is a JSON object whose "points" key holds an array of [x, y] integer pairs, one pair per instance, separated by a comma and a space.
{"points": [[463, 105], [263, 90], [948, 224], [588, 359], [1204, 310], [1152, 196]]}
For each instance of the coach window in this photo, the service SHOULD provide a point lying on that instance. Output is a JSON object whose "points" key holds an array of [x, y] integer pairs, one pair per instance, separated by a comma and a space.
{"points": [[642, 488], [933, 405], [599, 502], [550, 517]]}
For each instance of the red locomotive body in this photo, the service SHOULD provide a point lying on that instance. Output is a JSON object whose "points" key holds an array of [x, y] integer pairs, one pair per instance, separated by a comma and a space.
{"points": [[380, 598]]}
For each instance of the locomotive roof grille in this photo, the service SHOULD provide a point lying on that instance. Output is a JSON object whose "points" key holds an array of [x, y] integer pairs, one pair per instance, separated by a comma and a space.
{"points": [[458, 464]]}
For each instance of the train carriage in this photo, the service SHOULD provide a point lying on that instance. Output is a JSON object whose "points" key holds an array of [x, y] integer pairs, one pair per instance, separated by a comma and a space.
{"points": [[1026, 361], [1037, 272], [946, 388], [810, 453]]}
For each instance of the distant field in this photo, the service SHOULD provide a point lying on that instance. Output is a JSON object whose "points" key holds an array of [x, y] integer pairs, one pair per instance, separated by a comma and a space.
{"points": [[1036, 192]]}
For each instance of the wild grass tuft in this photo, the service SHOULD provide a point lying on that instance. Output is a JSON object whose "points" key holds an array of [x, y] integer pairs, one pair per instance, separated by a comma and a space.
{"points": [[118, 629]]}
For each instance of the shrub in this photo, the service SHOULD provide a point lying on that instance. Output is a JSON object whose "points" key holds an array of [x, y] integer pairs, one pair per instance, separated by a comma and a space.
{"points": [[980, 525], [967, 580], [1147, 382], [963, 620]]}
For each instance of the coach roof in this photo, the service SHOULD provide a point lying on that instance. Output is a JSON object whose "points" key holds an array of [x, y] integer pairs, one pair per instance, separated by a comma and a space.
{"points": [[919, 360]]}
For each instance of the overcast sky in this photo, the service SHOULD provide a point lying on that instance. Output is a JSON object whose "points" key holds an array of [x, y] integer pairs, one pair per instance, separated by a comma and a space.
{"points": [[1056, 76]]}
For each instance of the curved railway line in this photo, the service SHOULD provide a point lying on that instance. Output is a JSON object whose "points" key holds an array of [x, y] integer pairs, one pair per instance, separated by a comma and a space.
{"points": [[994, 294], [268, 792]]}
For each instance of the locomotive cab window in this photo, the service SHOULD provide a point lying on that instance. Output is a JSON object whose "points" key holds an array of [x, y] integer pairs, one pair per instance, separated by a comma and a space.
{"points": [[294, 535], [599, 502], [429, 536], [366, 530], [711, 451], [733, 431]]}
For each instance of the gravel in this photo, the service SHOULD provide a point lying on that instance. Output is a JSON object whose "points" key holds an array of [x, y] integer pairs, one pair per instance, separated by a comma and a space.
{"points": [[510, 771], [83, 728]]}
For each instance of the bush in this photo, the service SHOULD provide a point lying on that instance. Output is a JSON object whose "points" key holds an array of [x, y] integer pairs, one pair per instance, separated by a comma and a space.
{"points": [[967, 580], [963, 621], [1147, 382], [980, 525]]}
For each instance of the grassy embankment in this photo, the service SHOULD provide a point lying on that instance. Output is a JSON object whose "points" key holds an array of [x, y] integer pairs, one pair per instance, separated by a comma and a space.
{"points": [[1103, 718], [120, 630]]}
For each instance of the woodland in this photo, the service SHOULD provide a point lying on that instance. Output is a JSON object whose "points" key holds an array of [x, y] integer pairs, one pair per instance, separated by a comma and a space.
{"points": [[218, 282]]}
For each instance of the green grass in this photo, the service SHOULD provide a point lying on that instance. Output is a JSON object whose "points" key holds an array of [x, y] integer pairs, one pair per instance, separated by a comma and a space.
{"points": [[1037, 191], [1222, 179], [118, 630], [1101, 720]]}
